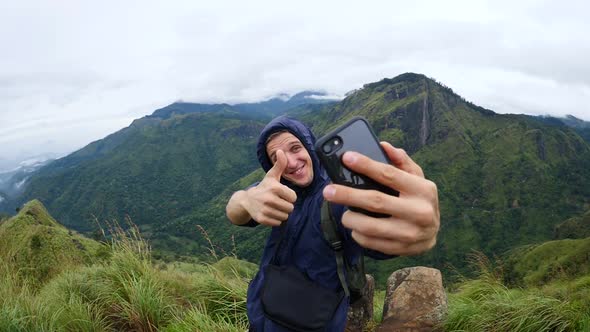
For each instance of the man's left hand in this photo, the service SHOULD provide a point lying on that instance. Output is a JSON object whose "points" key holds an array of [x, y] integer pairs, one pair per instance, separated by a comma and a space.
{"points": [[414, 217]]}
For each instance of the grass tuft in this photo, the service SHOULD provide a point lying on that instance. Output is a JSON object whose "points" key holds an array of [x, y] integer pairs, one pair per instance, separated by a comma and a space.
{"points": [[486, 304]]}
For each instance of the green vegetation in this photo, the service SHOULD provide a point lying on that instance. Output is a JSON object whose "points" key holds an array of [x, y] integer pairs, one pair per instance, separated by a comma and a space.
{"points": [[41, 248], [208, 224], [116, 285], [536, 265], [488, 303], [122, 292], [488, 306], [153, 171]]}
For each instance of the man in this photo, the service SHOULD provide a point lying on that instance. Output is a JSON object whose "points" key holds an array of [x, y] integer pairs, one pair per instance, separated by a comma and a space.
{"points": [[293, 191]]}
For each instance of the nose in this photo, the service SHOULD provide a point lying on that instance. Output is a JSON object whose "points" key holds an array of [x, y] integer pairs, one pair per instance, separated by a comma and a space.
{"points": [[291, 160]]}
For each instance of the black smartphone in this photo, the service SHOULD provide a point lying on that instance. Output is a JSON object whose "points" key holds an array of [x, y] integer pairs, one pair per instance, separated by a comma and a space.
{"points": [[355, 135]]}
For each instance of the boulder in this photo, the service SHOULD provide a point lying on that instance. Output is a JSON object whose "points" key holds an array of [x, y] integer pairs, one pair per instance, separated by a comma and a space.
{"points": [[361, 312], [415, 300]]}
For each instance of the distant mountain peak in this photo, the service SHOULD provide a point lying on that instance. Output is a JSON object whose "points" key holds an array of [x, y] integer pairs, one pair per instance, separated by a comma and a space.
{"points": [[282, 96], [272, 106], [578, 125], [575, 122]]}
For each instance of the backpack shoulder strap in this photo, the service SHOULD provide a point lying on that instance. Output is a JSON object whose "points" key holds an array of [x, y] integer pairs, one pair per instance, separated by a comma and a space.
{"points": [[330, 230]]}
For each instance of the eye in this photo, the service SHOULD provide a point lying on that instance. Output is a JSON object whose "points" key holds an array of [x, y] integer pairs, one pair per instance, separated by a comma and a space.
{"points": [[295, 148]]}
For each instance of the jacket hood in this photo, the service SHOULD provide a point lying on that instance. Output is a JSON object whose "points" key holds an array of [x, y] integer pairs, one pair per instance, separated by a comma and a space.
{"points": [[304, 134]]}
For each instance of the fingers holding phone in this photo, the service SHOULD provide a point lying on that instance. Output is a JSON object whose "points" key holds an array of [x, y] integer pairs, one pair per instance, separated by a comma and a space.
{"points": [[414, 216], [394, 209]]}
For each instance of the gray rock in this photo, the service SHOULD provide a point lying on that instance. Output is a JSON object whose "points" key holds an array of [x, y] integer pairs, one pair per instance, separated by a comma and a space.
{"points": [[415, 300], [361, 312]]}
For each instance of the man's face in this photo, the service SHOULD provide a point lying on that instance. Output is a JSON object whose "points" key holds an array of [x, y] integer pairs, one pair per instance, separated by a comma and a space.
{"points": [[299, 170]]}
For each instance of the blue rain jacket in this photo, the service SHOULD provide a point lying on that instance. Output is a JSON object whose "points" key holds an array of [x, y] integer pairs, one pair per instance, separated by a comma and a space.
{"points": [[304, 245]]}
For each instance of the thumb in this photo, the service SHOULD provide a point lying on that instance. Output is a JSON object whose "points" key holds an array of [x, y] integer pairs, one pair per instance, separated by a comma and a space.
{"points": [[279, 167]]}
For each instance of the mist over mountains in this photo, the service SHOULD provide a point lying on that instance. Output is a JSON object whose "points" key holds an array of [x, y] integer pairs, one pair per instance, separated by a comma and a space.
{"points": [[13, 182], [504, 180]]}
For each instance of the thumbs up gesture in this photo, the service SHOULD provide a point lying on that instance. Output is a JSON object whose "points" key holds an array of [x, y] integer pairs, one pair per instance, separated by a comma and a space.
{"points": [[271, 202]]}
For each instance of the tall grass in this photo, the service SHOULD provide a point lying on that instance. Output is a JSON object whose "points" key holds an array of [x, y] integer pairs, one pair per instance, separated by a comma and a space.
{"points": [[199, 320], [126, 292], [486, 304]]}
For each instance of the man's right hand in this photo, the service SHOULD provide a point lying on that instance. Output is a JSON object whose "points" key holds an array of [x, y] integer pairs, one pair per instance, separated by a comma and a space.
{"points": [[271, 202]]}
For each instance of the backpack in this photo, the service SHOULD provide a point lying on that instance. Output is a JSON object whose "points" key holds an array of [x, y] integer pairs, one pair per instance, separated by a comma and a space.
{"points": [[352, 277]]}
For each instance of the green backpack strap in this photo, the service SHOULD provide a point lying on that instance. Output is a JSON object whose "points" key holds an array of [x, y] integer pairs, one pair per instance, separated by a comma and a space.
{"points": [[331, 234]]}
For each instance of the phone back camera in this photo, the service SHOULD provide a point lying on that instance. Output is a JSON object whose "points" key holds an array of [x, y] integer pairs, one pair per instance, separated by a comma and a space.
{"points": [[332, 145]]}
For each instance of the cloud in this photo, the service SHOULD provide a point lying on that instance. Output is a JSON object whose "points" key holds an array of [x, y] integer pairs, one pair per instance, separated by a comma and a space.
{"points": [[325, 97], [73, 72]]}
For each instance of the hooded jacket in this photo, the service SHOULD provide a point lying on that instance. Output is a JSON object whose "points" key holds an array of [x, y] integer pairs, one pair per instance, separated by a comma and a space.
{"points": [[303, 245]]}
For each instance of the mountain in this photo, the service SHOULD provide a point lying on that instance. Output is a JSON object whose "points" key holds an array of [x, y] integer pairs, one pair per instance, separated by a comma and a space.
{"points": [[572, 121], [504, 180], [158, 168], [154, 170]]}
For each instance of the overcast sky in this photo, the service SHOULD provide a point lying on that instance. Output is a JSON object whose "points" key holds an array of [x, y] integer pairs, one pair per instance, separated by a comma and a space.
{"points": [[72, 72]]}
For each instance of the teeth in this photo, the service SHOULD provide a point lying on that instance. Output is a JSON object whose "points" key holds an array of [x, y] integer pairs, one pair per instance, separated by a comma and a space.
{"points": [[297, 171]]}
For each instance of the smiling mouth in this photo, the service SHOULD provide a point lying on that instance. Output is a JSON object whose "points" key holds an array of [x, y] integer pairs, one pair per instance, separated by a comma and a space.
{"points": [[298, 171]]}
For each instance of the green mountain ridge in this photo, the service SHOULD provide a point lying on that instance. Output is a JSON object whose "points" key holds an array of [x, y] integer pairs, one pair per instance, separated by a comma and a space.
{"points": [[152, 171], [40, 246], [504, 180]]}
